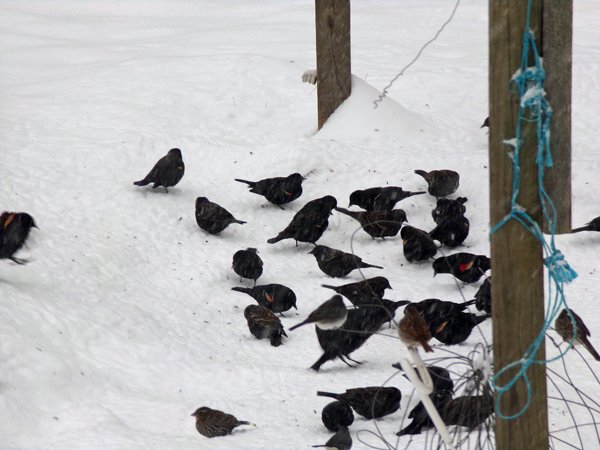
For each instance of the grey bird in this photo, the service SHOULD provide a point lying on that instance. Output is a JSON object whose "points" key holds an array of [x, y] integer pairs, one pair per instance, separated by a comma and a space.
{"points": [[330, 314]]}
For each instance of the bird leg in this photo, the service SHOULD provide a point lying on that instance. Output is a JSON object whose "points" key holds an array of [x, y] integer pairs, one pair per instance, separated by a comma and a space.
{"points": [[19, 261], [346, 362], [353, 360]]}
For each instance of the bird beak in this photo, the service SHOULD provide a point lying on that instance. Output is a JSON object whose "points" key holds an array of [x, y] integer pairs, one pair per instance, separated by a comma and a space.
{"points": [[311, 252], [434, 273], [295, 307]]}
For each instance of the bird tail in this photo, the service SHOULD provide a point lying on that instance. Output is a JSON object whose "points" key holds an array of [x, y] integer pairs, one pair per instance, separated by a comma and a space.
{"points": [[470, 302], [249, 183], [327, 394], [243, 422], [590, 349], [322, 360], [365, 265], [345, 211], [480, 319], [422, 173], [241, 222], [329, 286], [276, 340], [143, 182], [242, 289], [577, 230], [304, 322], [277, 238]]}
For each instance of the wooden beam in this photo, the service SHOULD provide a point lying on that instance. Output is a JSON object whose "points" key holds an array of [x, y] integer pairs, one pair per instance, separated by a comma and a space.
{"points": [[558, 57], [517, 269], [332, 19]]}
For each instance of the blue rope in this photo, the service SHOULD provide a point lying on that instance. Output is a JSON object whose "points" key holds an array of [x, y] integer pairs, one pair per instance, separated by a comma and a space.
{"points": [[534, 107]]}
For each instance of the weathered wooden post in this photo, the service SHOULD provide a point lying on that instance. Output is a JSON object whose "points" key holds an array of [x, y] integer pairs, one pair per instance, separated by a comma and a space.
{"points": [[332, 19]]}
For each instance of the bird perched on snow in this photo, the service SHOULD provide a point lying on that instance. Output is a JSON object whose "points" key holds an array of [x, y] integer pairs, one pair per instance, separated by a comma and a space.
{"points": [[167, 171], [277, 190], [483, 296], [341, 440], [262, 323], [361, 290], [14, 230], [467, 267], [447, 208], [370, 402], [451, 232], [441, 183], [212, 217], [247, 264], [275, 297], [455, 327], [336, 414], [380, 198], [337, 263], [594, 225], [212, 422], [414, 330], [330, 314], [564, 327], [417, 245], [378, 224], [308, 224]]}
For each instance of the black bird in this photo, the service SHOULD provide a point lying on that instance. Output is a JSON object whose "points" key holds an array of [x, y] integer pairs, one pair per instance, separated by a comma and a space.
{"points": [[417, 244], [14, 230], [420, 416], [370, 402], [247, 264], [363, 290], [451, 232], [441, 183], [380, 198], [330, 314], [594, 225], [308, 224], [378, 224], [440, 377], [486, 123], [167, 171], [456, 328], [360, 325], [447, 208], [276, 297], [341, 440], [468, 410], [564, 327], [262, 323], [278, 190], [336, 414], [337, 263], [434, 310], [212, 217], [212, 422], [483, 296], [467, 267]]}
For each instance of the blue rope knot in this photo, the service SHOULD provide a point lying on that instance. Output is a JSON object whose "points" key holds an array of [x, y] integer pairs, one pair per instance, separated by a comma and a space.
{"points": [[559, 267]]}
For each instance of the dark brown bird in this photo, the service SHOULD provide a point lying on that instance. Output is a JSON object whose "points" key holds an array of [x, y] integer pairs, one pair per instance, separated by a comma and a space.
{"points": [[277, 190], [263, 324], [308, 224], [14, 230], [451, 232], [594, 225], [441, 183], [468, 410], [275, 297], [212, 217], [483, 296], [336, 414], [414, 330], [337, 263], [564, 327], [247, 264], [448, 208], [370, 402], [363, 290], [455, 327], [378, 224], [212, 422], [329, 315], [167, 172], [417, 245], [341, 440], [380, 198], [467, 267]]}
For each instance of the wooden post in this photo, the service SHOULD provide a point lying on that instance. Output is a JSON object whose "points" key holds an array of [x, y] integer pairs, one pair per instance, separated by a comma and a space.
{"points": [[517, 270], [558, 50], [332, 18]]}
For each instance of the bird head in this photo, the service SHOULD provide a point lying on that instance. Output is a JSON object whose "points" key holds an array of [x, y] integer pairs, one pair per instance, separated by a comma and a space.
{"points": [[175, 153], [200, 411]]}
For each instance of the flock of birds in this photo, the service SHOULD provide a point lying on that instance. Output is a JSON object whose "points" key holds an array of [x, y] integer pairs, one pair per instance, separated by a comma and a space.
{"points": [[341, 330]]}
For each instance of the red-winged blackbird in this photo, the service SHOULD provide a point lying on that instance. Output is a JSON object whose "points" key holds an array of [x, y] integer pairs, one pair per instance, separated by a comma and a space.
{"points": [[336, 414], [420, 416], [360, 325], [564, 327], [467, 267], [370, 402], [417, 244], [483, 296], [278, 190], [14, 230], [456, 327], [447, 208], [380, 198], [468, 410], [212, 422], [276, 297], [330, 314], [451, 232], [308, 224], [363, 290], [434, 310], [341, 440], [594, 225], [167, 171], [414, 330], [378, 224], [247, 264], [212, 217], [441, 183], [262, 323], [337, 263]]}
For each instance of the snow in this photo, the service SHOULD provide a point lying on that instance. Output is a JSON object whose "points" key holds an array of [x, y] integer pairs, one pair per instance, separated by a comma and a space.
{"points": [[123, 323]]}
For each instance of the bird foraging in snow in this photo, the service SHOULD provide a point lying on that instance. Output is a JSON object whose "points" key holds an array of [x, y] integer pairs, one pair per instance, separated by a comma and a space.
{"points": [[370, 402], [247, 264], [337, 263], [378, 224], [14, 230], [380, 198], [167, 171], [212, 422], [467, 267], [213, 218], [262, 323], [441, 183], [277, 190], [275, 297]]}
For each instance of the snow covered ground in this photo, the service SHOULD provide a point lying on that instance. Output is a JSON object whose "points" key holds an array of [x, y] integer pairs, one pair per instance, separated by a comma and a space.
{"points": [[124, 323]]}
